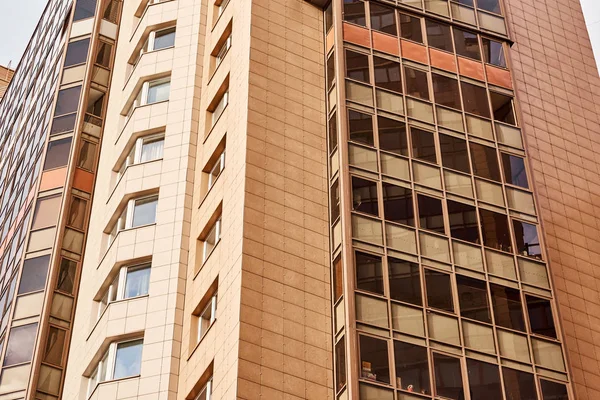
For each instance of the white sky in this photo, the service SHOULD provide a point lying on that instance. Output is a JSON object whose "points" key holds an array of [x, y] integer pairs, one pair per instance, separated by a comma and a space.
{"points": [[591, 11]]}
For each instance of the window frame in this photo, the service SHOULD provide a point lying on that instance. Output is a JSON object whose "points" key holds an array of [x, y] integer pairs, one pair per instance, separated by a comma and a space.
{"points": [[222, 52], [206, 389], [109, 358], [125, 220], [141, 98], [135, 154], [116, 290], [212, 307], [219, 108], [212, 178], [216, 228]]}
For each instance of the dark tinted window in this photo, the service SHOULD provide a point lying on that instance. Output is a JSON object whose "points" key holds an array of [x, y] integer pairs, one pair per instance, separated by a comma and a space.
{"points": [[392, 136], [518, 385], [489, 5], [446, 92], [494, 228], [438, 35], [383, 18], [328, 17], [463, 221], [484, 380], [410, 28], [35, 271], [66, 275], [374, 363], [527, 240], [493, 52], [514, 170], [20, 344], [338, 279], [357, 66], [430, 213], [475, 99], [364, 196], [466, 44], [454, 153], [540, 316], [332, 132], [398, 204], [58, 153], [77, 52], [412, 367], [405, 281], [354, 11], [423, 145], [340, 361], [553, 390], [473, 298], [330, 71], [507, 307], [335, 200], [448, 377], [67, 101], [416, 83], [503, 108], [361, 127], [439, 290], [485, 161], [84, 9], [387, 74], [369, 274]]}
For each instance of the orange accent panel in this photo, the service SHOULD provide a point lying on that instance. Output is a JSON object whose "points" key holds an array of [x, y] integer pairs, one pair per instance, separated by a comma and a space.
{"points": [[498, 76], [330, 40], [472, 69], [385, 43], [53, 179], [414, 51], [83, 180], [356, 34], [442, 60]]}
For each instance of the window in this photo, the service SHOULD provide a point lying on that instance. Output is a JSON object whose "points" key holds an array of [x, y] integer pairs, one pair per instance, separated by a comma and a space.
{"points": [[67, 101], [439, 290], [502, 106], [527, 241], [369, 274], [410, 28], [211, 239], [553, 390], [540, 316], [46, 211], [20, 344], [219, 108], [494, 228], [412, 368], [374, 363], [222, 51], [206, 391], [445, 90], [507, 307], [354, 11], [76, 216], [84, 9], [340, 362], [489, 5], [493, 52], [330, 69], [475, 99], [215, 171], [77, 52], [448, 377], [398, 204], [360, 126], [405, 281], [431, 216], [138, 212], [392, 135], [87, 156], [387, 74], [423, 145], [514, 170], [416, 83], [454, 153], [130, 282], [335, 200], [364, 196], [519, 385], [383, 18], [467, 44], [207, 317], [145, 149], [66, 276], [438, 35], [484, 380], [328, 17], [121, 360], [152, 92], [53, 353], [463, 221], [338, 278], [473, 299], [33, 276], [161, 39], [485, 161], [357, 66], [222, 4]]}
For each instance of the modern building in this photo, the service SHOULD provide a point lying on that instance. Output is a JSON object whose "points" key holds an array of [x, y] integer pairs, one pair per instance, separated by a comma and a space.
{"points": [[290, 199], [6, 75]]}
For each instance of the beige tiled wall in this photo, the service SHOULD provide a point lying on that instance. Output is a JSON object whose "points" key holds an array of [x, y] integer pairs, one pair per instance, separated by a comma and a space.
{"points": [[559, 91]]}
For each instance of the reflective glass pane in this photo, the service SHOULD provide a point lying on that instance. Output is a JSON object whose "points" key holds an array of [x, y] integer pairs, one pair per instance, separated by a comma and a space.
{"points": [[448, 377], [374, 363], [485, 161], [473, 298], [58, 153], [158, 91], [77, 52], [398, 204], [494, 227], [454, 153], [55, 346], [439, 290], [84, 9], [144, 212], [466, 43], [369, 275], [128, 359], [387, 74], [76, 216], [493, 52], [20, 344], [164, 39], [383, 18], [364, 196], [354, 11], [475, 99], [137, 282], [484, 380], [152, 149], [507, 307], [405, 281], [541, 319], [438, 35], [431, 215], [518, 385], [553, 390], [527, 240], [463, 221], [33, 277], [445, 90], [357, 66], [423, 144], [66, 275], [46, 211], [67, 101], [360, 127], [416, 83], [489, 5], [514, 170], [410, 28], [412, 368], [392, 135]]}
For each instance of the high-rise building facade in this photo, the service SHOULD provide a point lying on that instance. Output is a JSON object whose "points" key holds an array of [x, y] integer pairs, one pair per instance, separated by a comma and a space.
{"points": [[290, 199]]}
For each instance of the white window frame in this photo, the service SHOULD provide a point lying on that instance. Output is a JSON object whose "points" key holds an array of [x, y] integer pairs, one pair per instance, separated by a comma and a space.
{"points": [[220, 108], [149, 44], [219, 166], [216, 228], [221, 7], [220, 56], [206, 389], [125, 221], [108, 360], [135, 154], [212, 306], [116, 289], [142, 97]]}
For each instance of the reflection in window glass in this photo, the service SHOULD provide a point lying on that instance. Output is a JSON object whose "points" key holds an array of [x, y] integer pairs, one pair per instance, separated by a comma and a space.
{"points": [[54, 346], [144, 212], [354, 11], [438, 35], [475, 99], [485, 161], [494, 228], [502, 106], [405, 281], [137, 282], [374, 363], [46, 212], [383, 18], [66, 276], [514, 170], [364, 196], [357, 66], [416, 83], [448, 377], [360, 127], [493, 52], [58, 153], [463, 221], [330, 70], [489, 5], [340, 364], [527, 240], [446, 92], [423, 145], [84, 9], [392, 136], [158, 91], [484, 380], [87, 156], [152, 149], [338, 279], [333, 132], [507, 307], [412, 368], [369, 275], [20, 344], [33, 276], [387, 74], [67, 101], [77, 52], [439, 290], [431, 215], [473, 299], [518, 385], [410, 28], [466, 44], [128, 359], [454, 153], [540, 316], [553, 390], [164, 38], [76, 216], [328, 17], [398, 204]]}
